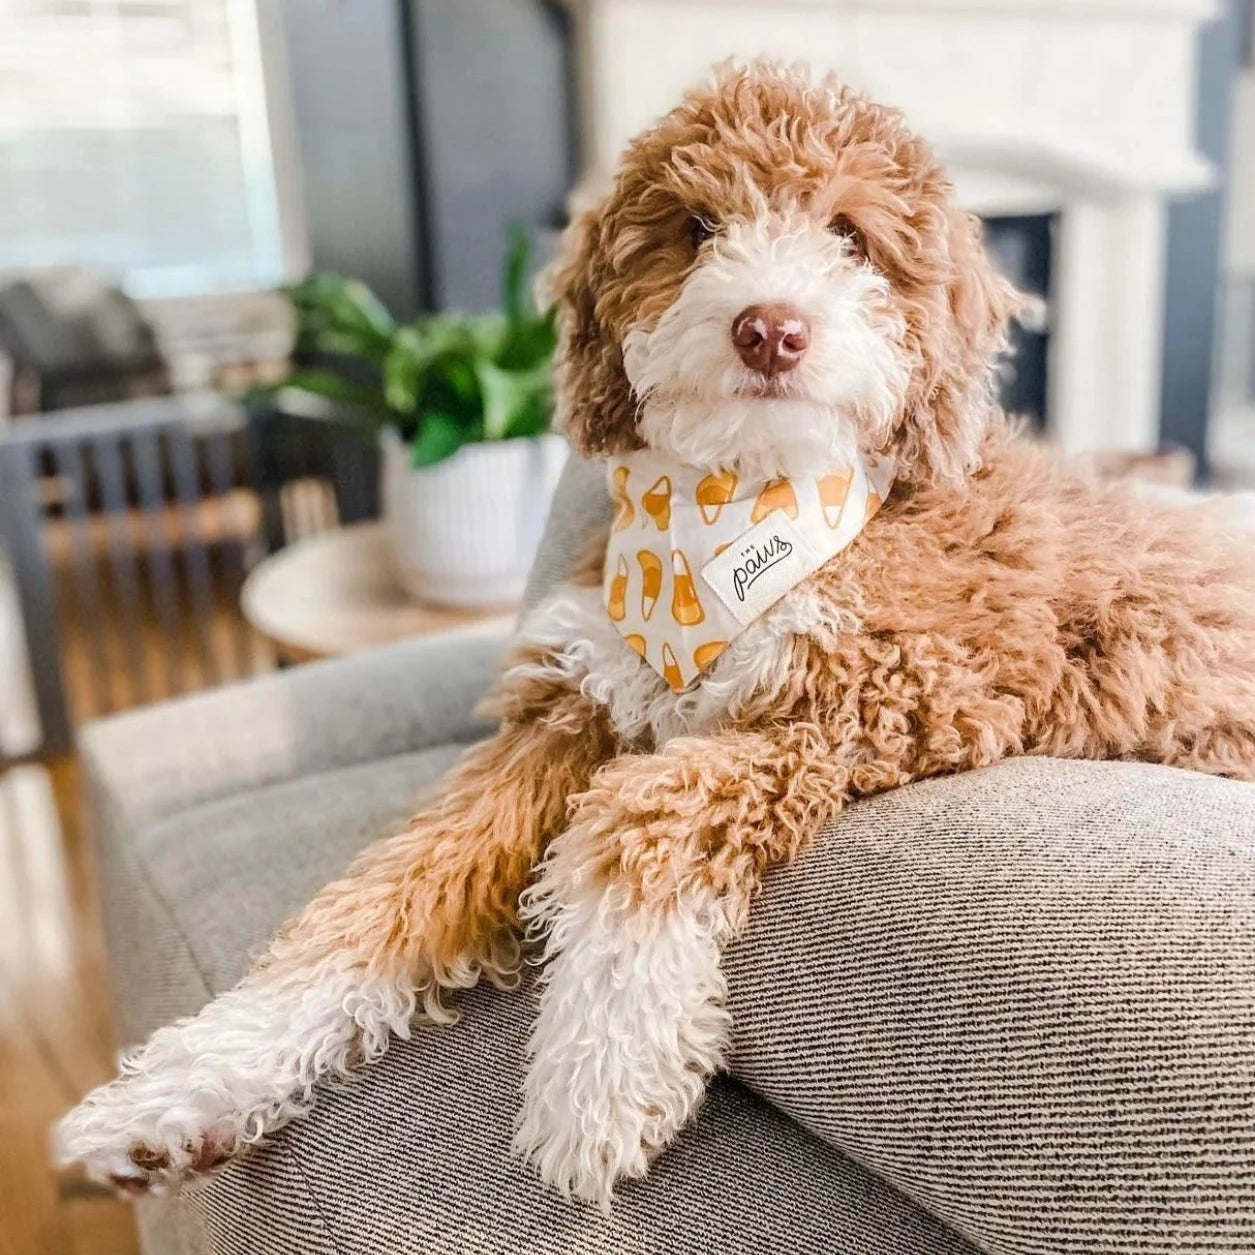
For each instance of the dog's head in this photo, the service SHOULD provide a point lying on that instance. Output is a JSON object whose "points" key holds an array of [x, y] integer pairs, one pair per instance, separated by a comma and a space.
{"points": [[779, 275]]}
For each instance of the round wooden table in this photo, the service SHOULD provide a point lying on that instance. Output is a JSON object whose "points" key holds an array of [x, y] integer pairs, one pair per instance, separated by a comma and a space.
{"points": [[335, 593]]}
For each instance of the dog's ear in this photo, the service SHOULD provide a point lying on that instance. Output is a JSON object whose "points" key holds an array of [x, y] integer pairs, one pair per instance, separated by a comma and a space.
{"points": [[948, 414], [593, 398]]}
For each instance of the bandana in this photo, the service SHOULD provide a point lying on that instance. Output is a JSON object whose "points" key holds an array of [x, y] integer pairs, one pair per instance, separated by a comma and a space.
{"points": [[695, 557]]}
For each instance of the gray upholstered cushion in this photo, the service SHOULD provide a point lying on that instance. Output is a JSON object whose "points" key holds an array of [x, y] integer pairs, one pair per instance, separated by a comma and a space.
{"points": [[581, 504], [162, 759], [1025, 996]]}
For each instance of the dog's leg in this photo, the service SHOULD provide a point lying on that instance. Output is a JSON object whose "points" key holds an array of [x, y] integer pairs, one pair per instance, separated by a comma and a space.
{"points": [[637, 897], [429, 909]]}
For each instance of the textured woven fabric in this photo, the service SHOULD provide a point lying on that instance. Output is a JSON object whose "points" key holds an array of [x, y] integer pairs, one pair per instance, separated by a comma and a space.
{"points": [[216, 881], [580, 505], [412, 1157]]}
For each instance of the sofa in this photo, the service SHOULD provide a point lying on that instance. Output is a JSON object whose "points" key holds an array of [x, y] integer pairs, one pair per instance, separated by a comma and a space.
{"points": [[1011, 1011]]}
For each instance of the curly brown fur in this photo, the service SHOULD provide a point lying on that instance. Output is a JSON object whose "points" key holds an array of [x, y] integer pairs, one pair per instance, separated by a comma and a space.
{"points": [[439, 901]]}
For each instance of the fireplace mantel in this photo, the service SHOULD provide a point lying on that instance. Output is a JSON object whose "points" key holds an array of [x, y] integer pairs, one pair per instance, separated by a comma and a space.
{"points": [[1083, 108], [1141, 10]]}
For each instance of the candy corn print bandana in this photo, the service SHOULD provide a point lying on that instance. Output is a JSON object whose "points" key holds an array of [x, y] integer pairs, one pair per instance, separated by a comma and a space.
{"points": [[696, 557]]}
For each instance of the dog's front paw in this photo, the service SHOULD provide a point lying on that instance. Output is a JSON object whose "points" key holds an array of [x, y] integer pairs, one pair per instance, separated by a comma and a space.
{"points": [[195, 1094], [140, 1134], [583, 1136], [632, 1024], [204, 1089]]}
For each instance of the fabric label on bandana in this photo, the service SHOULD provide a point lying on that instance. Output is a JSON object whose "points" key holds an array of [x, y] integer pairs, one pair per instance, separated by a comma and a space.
{"points": [[758, 568], [696, 555]]}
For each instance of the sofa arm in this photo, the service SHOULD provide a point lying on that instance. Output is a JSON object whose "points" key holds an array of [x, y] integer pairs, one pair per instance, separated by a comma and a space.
{"points": [[1025, 996], [161, 760]]}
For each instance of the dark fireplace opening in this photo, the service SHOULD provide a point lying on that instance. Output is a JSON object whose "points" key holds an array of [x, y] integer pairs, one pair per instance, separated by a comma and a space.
{"points": [[1022, 248]]}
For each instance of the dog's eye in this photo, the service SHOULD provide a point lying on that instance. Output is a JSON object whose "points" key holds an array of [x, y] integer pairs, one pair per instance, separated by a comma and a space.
{"points": [[699, 230], [843, 226]]}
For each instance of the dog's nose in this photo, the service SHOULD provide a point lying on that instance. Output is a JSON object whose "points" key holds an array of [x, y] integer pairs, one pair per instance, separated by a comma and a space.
{"points": [[771, 339]]}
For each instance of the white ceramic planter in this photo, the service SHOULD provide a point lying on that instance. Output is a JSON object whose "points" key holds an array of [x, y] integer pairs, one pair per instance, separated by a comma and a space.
{"points": [[465, 531]]}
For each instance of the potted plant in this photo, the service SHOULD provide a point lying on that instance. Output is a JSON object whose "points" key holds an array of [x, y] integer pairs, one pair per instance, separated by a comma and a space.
{"points": [[462, 405]]}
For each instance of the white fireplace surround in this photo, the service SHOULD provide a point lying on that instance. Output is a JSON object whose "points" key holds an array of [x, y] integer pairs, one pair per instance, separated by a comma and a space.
{"points": [[1080, 107]]}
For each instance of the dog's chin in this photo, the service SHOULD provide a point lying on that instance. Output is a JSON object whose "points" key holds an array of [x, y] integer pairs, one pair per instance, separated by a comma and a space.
{"points": [[760, 431], [777, 388]]}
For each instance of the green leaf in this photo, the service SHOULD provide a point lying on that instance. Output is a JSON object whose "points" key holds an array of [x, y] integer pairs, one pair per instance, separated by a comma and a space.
{"points": [[334, 387], [515, 402], [533, 418], [453, 385], [489, 333], [369, 308], [341, 342], [438, 334], [444, 379], [404, 370], [499, 390], [530, 342], [439, 436], [329, 305]]}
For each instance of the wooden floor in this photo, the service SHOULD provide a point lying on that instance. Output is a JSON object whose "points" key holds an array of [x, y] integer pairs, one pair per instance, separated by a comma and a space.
{"points": [[53, 1026]]}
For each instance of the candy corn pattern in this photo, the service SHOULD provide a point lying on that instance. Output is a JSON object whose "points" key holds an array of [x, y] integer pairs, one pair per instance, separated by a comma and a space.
{"points": [[686, 606], [778, 495], [616, 602], [683, 550], [651, 581], [671, 668], [624, 510], [713, 493], [833, 491], [705, 654], [657, 502], [879, 477]]}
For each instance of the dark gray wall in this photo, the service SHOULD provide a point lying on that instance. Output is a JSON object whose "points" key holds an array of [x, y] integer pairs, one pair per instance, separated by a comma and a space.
{"points": [[494, 108], [1194, 242], [424, 128], [351, 99]]}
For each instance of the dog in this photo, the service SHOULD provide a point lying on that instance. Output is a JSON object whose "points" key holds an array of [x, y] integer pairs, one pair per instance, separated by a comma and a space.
{"points": [[776, 322]]}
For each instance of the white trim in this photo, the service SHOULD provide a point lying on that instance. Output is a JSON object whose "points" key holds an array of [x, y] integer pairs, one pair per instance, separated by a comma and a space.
{"points": [[1106, 350], [1074, 168], [1232, 441], [1135, 10], [256, 154]]}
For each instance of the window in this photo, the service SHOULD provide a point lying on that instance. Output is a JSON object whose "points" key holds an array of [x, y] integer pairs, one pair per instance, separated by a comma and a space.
{"points": [[134, 140]]}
